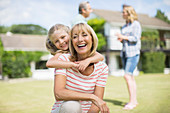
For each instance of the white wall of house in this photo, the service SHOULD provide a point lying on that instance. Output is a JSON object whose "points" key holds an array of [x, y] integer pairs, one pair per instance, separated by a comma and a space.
{"points": [[114, 68], [42, 74], [167, 41], [113, 44]]}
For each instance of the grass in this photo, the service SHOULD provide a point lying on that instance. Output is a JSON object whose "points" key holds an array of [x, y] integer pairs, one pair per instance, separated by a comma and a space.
{"points": [[37, 96]]}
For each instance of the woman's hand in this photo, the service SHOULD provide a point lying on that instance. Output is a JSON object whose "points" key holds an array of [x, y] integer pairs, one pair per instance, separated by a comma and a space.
{"points": [[101, 105], [121, 37]]}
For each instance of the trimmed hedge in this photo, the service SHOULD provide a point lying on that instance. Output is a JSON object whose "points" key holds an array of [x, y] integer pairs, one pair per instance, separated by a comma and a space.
{"points": [[153, 62], [16, 64]]}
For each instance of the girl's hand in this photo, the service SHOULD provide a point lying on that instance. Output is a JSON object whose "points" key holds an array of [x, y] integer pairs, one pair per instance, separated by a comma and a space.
{"points": [[82, 65], [75, 65]]}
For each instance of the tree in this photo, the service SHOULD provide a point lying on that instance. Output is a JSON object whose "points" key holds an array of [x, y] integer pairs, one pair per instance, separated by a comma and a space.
{"points": [[3, 29], [161, 15], [28, 29], [98, 26], [1, 53]]}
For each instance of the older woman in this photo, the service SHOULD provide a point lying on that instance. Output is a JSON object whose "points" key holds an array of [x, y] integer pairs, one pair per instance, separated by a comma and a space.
{"points": [[81, 91]]}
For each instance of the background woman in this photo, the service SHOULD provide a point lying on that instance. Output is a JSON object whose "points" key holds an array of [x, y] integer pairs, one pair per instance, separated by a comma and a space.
{"points": [[130, 37]]}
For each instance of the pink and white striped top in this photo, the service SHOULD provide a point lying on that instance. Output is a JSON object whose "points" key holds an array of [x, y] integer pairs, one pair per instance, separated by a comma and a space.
{"points": [[82, 83]]}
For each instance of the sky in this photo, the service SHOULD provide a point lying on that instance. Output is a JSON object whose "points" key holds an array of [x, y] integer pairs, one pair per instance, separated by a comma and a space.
{"points": [[50, 12]]}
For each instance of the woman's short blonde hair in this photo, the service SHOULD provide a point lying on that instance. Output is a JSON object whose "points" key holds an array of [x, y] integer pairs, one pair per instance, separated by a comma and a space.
{"points": [[49, 41], [132, 15], [83, 27]]}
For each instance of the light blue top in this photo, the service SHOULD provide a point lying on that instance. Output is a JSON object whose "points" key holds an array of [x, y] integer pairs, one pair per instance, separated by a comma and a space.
{"points": [[78, 19], [132, 46]]}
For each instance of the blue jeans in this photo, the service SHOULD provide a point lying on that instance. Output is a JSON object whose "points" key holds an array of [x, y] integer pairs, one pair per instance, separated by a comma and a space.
{"points": [[130, 63]]}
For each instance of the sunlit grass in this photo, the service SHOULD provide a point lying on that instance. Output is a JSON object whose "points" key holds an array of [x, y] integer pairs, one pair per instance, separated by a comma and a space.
{"points": [[37, 96], [153, 94], [26, 97]]}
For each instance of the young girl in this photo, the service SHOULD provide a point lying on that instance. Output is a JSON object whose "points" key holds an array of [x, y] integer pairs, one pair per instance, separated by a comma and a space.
{"points": [[58, 43]]}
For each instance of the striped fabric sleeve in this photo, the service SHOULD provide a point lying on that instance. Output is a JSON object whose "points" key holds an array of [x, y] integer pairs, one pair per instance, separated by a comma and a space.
{"points": [[101, 81], [61, 71]]}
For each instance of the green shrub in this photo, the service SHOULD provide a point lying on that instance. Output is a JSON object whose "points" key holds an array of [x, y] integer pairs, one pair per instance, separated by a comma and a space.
{"points": [[16, 64], [98, 26], [153, 62], [1, 50], [101, 41]]}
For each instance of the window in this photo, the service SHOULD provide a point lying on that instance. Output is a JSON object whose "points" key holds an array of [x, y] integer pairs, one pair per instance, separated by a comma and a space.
{"points": [[41, 65]]}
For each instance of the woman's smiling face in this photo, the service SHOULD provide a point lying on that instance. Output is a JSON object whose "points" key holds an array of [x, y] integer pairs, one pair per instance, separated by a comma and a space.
{"points": [[82, 41]]}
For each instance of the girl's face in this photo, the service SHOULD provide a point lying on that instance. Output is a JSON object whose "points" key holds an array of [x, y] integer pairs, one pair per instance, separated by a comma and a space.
{"points": [[82, 42], [125, 14], [61, 39]]}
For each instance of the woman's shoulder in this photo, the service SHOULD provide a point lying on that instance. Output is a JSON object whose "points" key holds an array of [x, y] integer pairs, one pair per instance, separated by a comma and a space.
{"points": [[124, 26], [101, 64], [136, 22]]}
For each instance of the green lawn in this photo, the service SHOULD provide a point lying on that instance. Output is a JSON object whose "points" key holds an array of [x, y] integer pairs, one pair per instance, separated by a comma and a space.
{"points": [[37, 96]]}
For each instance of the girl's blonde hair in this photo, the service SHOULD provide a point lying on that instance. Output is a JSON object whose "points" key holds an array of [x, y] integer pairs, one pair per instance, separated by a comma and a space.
{"points": [[83, 27], [49, 41], [132, 15]]}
